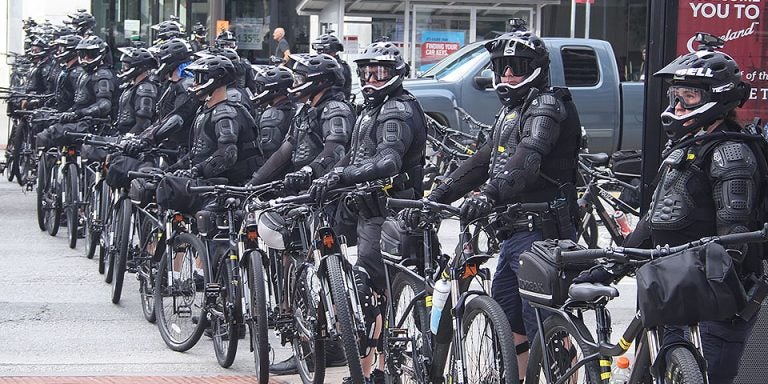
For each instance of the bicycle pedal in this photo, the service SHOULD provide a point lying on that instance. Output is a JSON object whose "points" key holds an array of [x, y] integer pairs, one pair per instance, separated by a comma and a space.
{"points": [[184, 312]]}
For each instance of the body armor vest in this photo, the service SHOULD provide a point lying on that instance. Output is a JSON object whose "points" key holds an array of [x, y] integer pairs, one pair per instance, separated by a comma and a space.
{"points": [[66, 87], [307, 131]]}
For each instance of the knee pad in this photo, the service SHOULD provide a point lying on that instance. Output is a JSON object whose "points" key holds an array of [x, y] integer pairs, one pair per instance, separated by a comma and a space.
{"points": [[371, 310]]}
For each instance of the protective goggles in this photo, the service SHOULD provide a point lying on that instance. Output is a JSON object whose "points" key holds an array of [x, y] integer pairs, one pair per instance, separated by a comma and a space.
{"points": [[299, 79], [200, 77], [517, 66], [688, 97], [369, 72], [87, 55]]}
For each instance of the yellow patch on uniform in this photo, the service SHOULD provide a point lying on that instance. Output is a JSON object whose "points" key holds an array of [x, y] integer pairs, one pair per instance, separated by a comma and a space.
{"points": [[501, 149], [691, 156], [511, 115]]}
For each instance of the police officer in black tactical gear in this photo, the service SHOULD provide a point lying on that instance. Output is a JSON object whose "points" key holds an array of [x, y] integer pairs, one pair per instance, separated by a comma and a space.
{"points": [[388, 144], [41, 80], [83, 23], [199, 39], [321, 130], [66, 82], [330, 44], [165, 31], [136, 108], [243, 75], [227, 40], [277, 109], [224, 142], [176, 107], [709, 184], [532, 157], [94, 92]]}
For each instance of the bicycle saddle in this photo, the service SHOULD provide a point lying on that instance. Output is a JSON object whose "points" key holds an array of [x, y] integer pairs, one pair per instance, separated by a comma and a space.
{"points": [[598, 159], [591, 291]]}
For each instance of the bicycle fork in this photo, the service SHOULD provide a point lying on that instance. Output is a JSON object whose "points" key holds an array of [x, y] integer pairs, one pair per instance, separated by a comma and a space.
{"points": [[657, 350]]}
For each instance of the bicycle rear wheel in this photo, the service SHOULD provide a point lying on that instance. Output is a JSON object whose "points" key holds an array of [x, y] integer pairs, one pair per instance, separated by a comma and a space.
{"points": [[179, 294], [224, 327], [42, 184], [258, 315], [147, 267], [124, 237], [105, 228], [415, 328], [53, 200], [308, 348], [682, 367], [486, 336], [563, 347], [71, 202], [345, 320]]}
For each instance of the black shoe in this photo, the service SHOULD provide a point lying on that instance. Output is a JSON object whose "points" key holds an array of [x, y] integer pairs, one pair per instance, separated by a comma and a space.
{"points": [[348, 380], [334, 355], [199, 281], [378, 377], [285, 367]]}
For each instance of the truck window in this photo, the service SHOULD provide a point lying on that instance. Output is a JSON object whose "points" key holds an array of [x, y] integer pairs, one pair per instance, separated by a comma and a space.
{"points": [[580, 67]]}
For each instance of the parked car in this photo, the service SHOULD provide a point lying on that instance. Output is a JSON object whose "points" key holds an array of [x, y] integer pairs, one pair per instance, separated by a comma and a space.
{"points": [[611, 111]]}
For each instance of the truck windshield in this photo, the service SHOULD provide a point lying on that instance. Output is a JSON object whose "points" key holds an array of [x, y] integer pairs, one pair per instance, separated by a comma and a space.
{"points": [[456, 61]]}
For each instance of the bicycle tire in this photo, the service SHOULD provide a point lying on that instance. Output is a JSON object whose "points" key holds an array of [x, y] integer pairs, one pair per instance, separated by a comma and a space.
{"points": [[502, 353], [308, 319], [71, 202], [113, 243], [682, 367], [91, 214], [344, 316], [147, 269], [123, 247], [173, 302], [224, 326], [259, 325], [105, 217], [404, 289], [10, 168], [42, 179], [53, 198], [24, 165], [556, 329]]}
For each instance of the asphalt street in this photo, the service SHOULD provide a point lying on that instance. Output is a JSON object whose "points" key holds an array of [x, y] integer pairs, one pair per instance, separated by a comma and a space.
{"points": [[56, 318]]}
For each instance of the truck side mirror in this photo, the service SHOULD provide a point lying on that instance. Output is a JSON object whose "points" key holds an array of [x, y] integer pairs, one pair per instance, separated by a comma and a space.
{"points": [[485, 80]]}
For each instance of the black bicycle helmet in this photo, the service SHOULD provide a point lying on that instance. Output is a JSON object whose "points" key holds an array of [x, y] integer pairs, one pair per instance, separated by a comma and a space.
{"points": [[271, 81], [63, 30], [387, 57], [82, 21], [524, 54], [313, 73], [135, 61], [167, 30], [171, 54], [91, 52], [38, 48], [327, 43], [65, 47], [708, 83], [226, 39], [199, 30], [211, 73]]}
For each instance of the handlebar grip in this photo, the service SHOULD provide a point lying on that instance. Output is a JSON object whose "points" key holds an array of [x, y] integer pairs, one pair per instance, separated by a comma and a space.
{"points": [[141, 175], [77, 134], [200, 189], [580, 255], [533, 206], [404, 203]]}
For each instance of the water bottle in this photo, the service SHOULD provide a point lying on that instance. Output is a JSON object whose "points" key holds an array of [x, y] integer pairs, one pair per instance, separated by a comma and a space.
{"points": [[621, 372], [621, 219], [439, 298]]}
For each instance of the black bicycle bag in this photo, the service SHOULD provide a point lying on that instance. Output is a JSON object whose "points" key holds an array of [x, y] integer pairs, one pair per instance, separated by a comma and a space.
{"points": [[542, 278]]}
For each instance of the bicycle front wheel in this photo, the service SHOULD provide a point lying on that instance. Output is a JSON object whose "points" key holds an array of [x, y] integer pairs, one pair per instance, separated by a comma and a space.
{"points": [[564, 348], [682, 367], [71, 203], [42, 184], [308, 347], [345, 321], [258, 315], [224, 327], [53, 200], [413, 323], [489, 355], [180, 294], [124, 237]]}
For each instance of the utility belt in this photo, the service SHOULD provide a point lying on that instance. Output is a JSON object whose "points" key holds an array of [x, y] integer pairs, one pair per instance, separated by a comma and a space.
{"points": [[404, 182], [555, 222]]}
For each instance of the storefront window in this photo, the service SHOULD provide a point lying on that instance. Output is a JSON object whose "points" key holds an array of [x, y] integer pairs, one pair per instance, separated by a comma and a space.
{"points": [[439, 32]]}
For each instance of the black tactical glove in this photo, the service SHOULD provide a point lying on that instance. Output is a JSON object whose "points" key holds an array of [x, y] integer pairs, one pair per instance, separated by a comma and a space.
{"points": [[186, 173], [603, 274], [69, 117], [411, 217], [322, 185], [133, 146], [476, 206], [299, 180]]}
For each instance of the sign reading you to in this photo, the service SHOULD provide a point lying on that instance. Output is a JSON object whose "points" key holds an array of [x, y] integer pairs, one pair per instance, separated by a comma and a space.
{"points": [[742, 24]]}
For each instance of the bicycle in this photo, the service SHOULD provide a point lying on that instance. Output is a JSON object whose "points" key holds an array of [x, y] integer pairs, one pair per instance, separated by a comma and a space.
{"points": [[469, 310], [564, 330], [595, 195], [236, 295], [318, 297]]}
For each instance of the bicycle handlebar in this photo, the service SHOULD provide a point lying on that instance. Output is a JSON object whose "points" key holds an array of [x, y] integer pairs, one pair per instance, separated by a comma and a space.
{"points": [[425, 204], [144, 175], [232, 189], [620, 253]]}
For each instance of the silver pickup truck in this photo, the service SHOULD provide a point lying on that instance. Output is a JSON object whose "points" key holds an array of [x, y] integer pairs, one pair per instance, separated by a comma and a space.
{"points": [[611, 111]]}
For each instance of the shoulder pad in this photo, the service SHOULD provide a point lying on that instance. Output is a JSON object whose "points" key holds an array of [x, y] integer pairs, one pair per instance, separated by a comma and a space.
{"points": [[223, 111], [234, 95], [547, 104], [146, 89], [730, 155], [335, 108], [396, 109], [103, 73], [272, 117]]}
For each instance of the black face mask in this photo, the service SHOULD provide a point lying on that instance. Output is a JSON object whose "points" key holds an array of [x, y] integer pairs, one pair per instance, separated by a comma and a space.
{"points": [[520, 66]]}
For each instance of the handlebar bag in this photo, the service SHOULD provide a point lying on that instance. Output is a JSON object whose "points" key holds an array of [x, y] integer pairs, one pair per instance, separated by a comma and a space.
{"points": [[142, 192], [542, 279], [699, 284], [119, 166]]}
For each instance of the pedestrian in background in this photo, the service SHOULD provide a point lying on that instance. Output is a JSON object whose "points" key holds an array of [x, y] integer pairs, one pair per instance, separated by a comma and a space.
{"points": [[283, 49]]}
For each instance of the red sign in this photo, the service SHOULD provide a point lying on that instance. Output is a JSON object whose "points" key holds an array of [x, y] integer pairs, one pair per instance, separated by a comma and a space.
{"points": [[742, 24], [434, 50], [585, 1]]}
